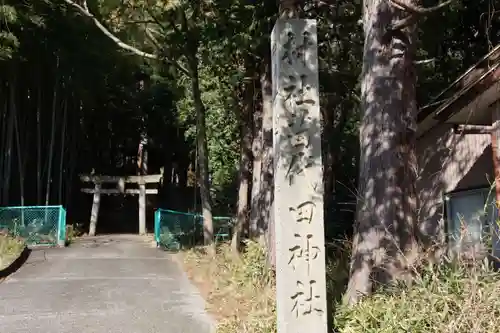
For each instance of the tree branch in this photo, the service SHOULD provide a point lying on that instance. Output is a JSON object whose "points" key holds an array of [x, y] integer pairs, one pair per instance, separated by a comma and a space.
{"points": [[151, 37], [155, 19], [403, 23], [172, 23], [418, 10], [157, 44], [140, 22], [425, 61], [84, 11]]}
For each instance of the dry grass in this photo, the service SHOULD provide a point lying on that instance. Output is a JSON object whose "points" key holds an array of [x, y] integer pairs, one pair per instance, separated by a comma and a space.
{"points": [[10, 249], [239, 291], [456, 297], [452, 298]]}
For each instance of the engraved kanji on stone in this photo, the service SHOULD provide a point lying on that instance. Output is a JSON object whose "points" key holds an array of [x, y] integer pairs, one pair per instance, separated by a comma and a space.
{"points": [[293, 52], [301, 50], [288, 48], [300, 140], [304, 249], [303, 212], [305, 300], [299, 162], [296, 103], [297, 94]]}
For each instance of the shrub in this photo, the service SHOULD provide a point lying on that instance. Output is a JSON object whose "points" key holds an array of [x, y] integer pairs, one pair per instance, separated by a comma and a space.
{"points": [[455, 297], [452, 298], [241, 291], [10, 249]]}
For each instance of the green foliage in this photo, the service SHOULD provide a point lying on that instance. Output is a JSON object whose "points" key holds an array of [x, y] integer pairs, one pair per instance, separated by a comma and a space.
{"points": [[241, 288], [253, 267], [49, 47], [453, 40], [8, 41], [72, 232], [222, 126], [10, 249], [252, 273], [8, 14], [442, 299], [456, 297]]}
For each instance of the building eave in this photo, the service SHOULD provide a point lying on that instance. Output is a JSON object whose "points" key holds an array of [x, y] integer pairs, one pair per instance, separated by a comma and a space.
{"points": [[468, 87]]}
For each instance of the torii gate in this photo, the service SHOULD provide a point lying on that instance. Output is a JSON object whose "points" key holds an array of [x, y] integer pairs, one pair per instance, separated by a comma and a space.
{"points": [[120, 189]]}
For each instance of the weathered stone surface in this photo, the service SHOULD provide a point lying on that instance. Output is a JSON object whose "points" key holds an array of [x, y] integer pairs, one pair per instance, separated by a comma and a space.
{"points": [[102, 285], [298, 196]]}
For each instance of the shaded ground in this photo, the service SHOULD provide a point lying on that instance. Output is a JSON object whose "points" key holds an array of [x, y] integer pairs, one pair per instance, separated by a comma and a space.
{"points": [[102, 284]]}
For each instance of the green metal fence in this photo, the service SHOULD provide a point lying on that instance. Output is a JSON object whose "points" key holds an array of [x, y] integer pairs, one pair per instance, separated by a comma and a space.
{"points": [[175, 230], [37, 225]]}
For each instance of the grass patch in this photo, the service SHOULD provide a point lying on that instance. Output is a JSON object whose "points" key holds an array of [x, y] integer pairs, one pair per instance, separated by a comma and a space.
{"points": [[451, 298], [239, 291], [10, 249], [73, 231]]}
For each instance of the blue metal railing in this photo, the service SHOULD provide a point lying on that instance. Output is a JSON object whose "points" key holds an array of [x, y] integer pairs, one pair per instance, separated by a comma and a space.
{"points": [[174, 229], [37, 225]]}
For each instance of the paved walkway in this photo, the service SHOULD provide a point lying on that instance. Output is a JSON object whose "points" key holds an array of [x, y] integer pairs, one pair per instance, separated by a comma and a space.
{"points": [[107, 284]]}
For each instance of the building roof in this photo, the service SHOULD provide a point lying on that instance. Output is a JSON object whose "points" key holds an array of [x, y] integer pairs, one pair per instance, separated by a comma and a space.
{"points": [[481, 81]]}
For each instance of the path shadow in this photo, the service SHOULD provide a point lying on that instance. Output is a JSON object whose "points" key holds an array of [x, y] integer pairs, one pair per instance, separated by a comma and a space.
{"points": [[16, 264]]}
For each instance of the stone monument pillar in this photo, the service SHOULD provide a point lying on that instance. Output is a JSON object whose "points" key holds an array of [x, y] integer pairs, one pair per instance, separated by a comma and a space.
{"points": [[298, 179]]}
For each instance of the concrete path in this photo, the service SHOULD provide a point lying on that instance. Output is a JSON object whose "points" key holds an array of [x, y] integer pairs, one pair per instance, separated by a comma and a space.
{"points": [[106, 284]]}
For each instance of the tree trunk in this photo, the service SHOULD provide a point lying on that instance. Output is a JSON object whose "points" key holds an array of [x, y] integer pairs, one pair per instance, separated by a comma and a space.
{"points": [[202, 147], [266, 199], [8, 151], [39, 146], [333, 129], [384, 241], [19, 156], [3, 140], [74, 118], [256, 231], [245, 176], [142, 153], [52, 135], [63, 142], [25, 143], [192, 43], [328, 144]]}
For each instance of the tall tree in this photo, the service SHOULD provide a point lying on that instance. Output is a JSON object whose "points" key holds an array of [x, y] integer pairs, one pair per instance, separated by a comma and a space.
{"points": [[170, 19], [385, 244], [264, 202], [246, 156]]}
